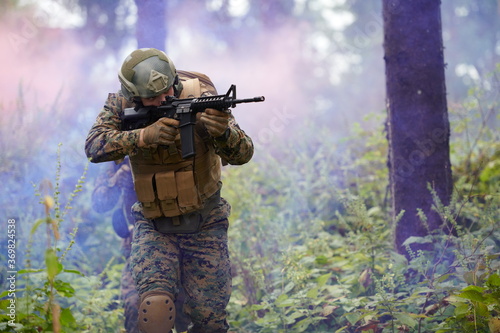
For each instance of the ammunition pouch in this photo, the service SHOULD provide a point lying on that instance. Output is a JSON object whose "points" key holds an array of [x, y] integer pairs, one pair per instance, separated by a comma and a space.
{"points": [[177, 189], [187, 223]]}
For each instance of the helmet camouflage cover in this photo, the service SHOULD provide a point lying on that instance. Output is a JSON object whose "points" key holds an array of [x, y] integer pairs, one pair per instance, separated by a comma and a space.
{"points": [[146, 73]]}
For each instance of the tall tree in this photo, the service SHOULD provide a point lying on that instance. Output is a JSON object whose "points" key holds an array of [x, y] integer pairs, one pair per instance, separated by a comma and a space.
{"points": [[151, 28], [417, 124]]}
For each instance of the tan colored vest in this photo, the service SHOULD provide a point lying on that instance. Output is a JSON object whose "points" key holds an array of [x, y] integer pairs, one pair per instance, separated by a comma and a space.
{"points": [[167, 185]]}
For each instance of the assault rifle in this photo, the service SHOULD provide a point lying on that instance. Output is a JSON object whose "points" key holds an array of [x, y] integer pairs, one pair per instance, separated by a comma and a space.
{"points": [[185, 111]]}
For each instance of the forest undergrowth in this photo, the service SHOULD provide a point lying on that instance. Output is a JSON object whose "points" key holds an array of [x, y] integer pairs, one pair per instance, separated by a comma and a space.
{"points": [[310, 240], [317, 253]]}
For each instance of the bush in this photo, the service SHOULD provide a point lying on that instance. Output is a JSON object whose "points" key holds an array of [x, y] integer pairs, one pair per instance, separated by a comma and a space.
{"points": [[50, 294], [312, 247]]}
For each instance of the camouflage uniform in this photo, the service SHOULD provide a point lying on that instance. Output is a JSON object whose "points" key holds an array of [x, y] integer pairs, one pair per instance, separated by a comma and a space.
{"points": [[199, 262]]}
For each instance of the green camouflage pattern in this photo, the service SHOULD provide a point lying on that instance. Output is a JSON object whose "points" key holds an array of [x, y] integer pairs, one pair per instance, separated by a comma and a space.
{"points": [[200, 261], [106, 141]]}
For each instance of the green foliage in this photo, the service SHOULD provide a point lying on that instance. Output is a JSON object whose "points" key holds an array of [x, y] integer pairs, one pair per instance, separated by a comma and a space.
{"points": [[310, 240], [56, 297], [312, 245]]}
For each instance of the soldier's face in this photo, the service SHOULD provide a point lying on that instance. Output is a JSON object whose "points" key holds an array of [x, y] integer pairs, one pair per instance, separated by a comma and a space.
{"points": [[156, 101]]}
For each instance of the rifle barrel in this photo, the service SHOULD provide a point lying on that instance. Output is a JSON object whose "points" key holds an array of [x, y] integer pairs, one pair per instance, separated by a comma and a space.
{"points": [[251, 100]]}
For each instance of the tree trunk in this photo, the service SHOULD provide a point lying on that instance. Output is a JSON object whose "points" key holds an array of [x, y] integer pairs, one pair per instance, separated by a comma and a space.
{"points": [[151, 27], [417, 124]]}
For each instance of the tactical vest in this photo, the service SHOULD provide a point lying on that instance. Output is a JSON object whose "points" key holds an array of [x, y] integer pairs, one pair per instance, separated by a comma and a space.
{"points": [[168, 185]]}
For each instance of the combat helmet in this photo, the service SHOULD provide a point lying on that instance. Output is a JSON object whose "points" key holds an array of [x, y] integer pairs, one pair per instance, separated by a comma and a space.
{"points": [[147, 73]]}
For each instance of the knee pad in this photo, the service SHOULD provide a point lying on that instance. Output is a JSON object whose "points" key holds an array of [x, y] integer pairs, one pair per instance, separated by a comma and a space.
{"points": [[156, 313]]}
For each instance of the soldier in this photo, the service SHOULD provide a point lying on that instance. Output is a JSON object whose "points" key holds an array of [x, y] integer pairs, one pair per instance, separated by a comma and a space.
{"points": [[181, 221]]}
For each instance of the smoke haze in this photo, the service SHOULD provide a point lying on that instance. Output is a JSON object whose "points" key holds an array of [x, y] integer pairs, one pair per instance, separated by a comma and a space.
{"points": [[54, 82]]}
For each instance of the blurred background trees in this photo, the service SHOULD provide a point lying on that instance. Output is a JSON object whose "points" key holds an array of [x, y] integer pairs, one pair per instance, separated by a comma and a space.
{"points": [[321, 130], [319, 63]]}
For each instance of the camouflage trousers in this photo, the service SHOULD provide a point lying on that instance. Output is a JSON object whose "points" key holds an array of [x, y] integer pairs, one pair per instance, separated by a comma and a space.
{"points": [[198, 262], [131, 301]]}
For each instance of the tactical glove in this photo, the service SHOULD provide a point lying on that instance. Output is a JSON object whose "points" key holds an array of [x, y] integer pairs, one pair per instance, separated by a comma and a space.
{"points": [[162, 132], [216, 122]]}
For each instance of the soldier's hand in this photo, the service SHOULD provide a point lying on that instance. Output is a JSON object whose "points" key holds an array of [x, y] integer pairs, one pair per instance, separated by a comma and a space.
{"points": [[162, 132], [215, 121]]}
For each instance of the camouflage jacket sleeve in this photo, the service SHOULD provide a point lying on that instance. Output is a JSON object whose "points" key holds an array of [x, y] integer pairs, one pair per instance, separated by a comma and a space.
{"points": [[106, 141], [235, 146]]}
